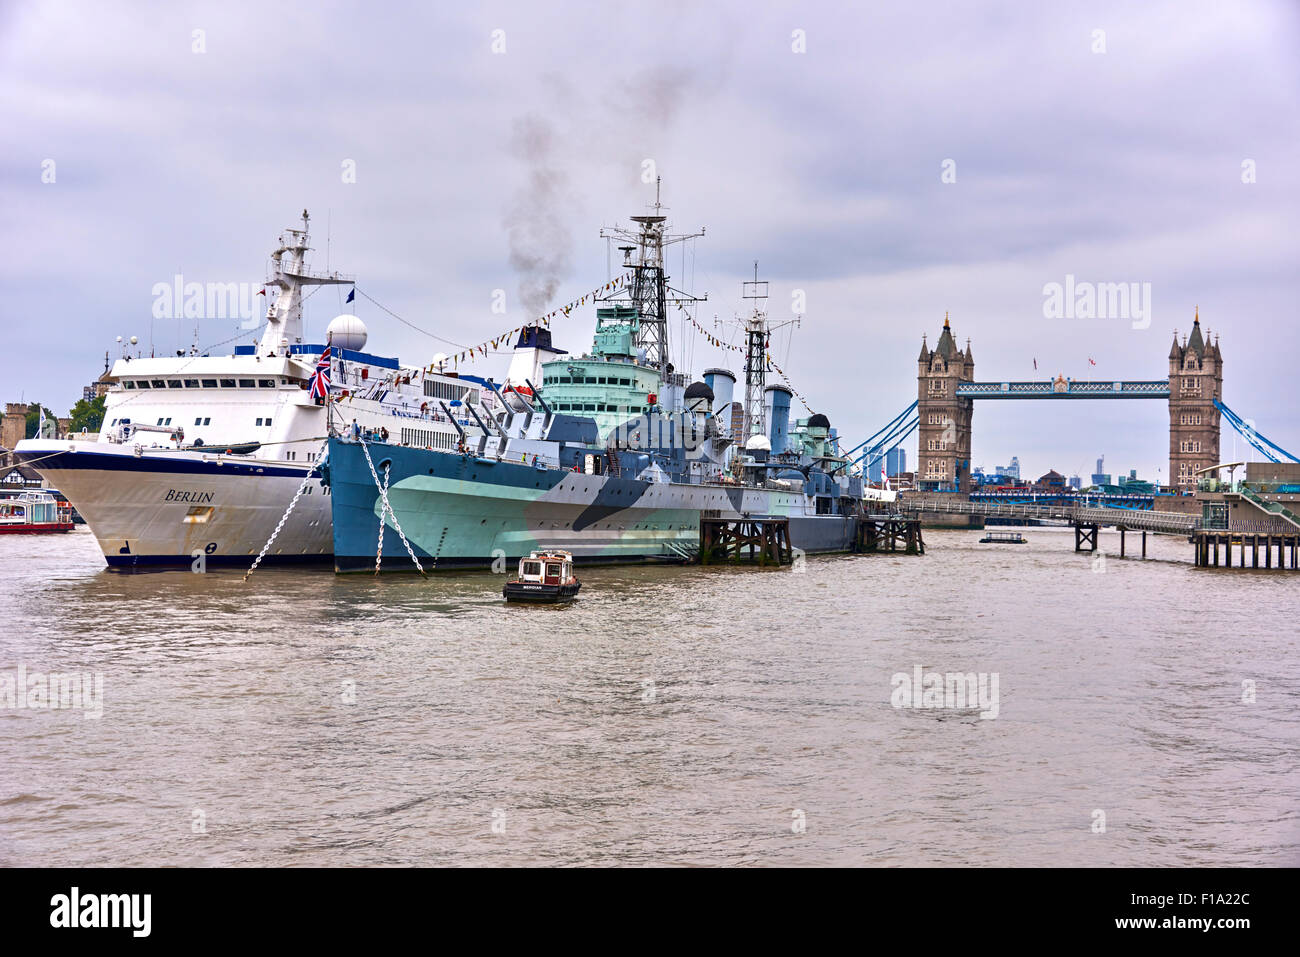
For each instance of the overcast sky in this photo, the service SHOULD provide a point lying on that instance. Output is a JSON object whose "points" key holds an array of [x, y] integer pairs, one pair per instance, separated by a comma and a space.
{"points": [[478, 170]]}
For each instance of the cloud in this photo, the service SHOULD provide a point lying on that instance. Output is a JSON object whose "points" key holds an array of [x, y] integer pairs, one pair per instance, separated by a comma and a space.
{"points": [[478, 171]]}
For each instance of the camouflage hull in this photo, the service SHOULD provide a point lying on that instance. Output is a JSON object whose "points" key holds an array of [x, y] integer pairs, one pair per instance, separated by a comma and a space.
{"points": [[460, 511]]}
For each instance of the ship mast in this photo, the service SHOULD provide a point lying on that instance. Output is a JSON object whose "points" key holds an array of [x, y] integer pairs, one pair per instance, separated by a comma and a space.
{"points": [[289, 273], [758, 335], [649, 291]]}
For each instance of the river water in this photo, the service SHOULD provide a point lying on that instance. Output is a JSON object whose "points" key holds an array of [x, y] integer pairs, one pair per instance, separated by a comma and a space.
{"points": [[698, 716]]}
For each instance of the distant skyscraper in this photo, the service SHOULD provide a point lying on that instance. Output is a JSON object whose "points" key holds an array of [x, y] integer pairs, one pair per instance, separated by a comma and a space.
{"points": [[1099, 477], [896, 461], [1012, 470]]}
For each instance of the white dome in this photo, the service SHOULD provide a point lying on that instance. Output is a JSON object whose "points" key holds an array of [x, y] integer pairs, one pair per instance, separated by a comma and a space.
{"points": [[759, 443], [347, 332]]}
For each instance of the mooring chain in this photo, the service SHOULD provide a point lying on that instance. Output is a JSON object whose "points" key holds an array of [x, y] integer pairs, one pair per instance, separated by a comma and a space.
{"points": [[320, 460], [383, 513], [386, 507]]}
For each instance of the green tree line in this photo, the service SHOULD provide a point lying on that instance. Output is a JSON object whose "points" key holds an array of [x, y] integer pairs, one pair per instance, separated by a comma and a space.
{"points": [[84, 415]]}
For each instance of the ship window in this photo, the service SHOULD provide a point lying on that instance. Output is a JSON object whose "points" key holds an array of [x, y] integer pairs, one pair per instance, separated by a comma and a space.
{"points": [[144, 383], [590, 380], [247, 384], [227, 383], [624, 381], [173, 383], [207, 420], [191, 383], [602, 381], [266, 383], [158, 383], [198, 421], [532, 569], [209, 383], [589, 407], [129, 384]]}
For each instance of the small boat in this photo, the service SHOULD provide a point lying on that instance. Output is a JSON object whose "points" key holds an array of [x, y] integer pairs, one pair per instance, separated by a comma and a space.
{"points": [[34, 513], [545, 576], [1003, 538]]}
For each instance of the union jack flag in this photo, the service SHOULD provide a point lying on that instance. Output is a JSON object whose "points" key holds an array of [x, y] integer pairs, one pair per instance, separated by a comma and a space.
{"points": [[320, 379]]}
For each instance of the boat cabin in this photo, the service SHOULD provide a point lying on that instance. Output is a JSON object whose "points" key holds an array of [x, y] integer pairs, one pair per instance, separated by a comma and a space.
{"points": [[547, 568], [34, 511]]}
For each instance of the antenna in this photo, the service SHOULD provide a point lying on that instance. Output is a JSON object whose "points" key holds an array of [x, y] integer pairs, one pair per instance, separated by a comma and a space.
{"points": [[649, 291], [758, 336]]}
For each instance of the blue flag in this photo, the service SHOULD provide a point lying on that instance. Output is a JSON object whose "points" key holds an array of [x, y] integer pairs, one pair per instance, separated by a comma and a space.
{"points": [[352, 294]]}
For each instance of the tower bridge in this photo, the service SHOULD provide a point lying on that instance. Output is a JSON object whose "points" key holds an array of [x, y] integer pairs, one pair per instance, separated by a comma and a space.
{"points": [[947, 391]]}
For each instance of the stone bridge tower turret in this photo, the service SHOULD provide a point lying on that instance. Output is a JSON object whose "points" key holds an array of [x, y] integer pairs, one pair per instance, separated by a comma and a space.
{"points": [[943, 454], [1195, 381]]}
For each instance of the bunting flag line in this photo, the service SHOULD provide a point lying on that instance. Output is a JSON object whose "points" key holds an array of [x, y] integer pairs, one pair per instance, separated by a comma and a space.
{"points": [[788, 384], [715, 341], [712, 339], [483, 348]]}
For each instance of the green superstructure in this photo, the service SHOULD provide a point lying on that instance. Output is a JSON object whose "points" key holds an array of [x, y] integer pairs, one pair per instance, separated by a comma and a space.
{"points": [[612, 383]]}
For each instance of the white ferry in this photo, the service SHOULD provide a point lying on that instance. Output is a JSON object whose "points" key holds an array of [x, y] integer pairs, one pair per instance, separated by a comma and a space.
{"points": [[202, 454]]}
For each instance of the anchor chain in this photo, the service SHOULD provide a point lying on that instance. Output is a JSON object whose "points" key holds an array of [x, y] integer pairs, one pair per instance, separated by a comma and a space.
{"points": [[320, 460], [383, 512], [383, 496]]}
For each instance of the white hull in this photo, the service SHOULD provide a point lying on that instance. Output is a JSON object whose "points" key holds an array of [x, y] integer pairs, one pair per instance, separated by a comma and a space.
{"points": [[165, 508]]}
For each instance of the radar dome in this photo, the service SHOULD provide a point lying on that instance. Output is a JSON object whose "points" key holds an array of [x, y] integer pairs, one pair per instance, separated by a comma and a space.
{"points": [[699, 390], [347, 332], [758, 443]]}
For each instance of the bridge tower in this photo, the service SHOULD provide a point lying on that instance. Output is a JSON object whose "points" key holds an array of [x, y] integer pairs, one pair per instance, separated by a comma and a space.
{"points": [[943, 459], [1195, 381]]}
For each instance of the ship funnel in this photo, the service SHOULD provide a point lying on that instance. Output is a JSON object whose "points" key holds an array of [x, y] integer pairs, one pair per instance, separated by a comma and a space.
{"points": [[723, 384], [532, 350], [776, 403]]}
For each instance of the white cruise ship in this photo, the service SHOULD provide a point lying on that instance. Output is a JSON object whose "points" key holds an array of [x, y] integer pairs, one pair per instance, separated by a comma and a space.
{"points": [[202, 454]]}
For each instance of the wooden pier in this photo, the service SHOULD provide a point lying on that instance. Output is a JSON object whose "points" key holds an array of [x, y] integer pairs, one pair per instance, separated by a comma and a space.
{"points": [[763, 541], [1257, 545], [888, 533]]}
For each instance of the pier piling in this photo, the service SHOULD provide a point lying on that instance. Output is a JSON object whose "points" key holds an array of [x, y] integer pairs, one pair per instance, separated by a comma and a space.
{"points": [[762, 541], [888, 533]]}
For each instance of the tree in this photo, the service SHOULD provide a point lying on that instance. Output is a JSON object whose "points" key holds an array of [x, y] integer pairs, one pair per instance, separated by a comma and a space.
{"points": [[87, 415], [34, 419]]}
